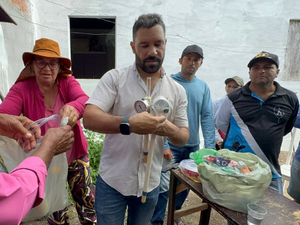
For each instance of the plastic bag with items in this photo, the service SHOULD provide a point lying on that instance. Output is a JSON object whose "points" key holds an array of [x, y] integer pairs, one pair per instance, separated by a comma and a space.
{"points": [[189, 167], [235, 180], [56, 194]]}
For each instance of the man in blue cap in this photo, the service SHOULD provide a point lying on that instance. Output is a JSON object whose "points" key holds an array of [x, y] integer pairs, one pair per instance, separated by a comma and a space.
{"points": [[199, 110]]}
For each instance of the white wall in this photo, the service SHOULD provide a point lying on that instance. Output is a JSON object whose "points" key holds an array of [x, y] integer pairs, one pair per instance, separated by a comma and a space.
{"points": [[230, 32]]}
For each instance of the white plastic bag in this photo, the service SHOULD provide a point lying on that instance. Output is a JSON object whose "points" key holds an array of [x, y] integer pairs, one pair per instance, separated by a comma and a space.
{"points": [[56, 194]]}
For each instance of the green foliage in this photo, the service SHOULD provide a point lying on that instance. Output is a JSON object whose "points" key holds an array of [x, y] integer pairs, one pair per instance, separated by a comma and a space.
{"points": [[95, 145], [70, 198]]}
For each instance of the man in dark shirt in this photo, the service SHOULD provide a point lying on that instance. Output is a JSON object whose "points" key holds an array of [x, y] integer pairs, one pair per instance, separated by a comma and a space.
{"points": [[258, 115]]}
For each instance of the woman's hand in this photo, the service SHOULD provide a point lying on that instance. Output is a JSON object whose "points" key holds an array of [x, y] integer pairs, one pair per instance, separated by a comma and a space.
{"points": [[71, 113], [55, 141], [58, 140]]}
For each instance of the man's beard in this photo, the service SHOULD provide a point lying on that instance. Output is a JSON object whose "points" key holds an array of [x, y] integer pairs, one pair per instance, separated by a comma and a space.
{"points": [[149, 69]]}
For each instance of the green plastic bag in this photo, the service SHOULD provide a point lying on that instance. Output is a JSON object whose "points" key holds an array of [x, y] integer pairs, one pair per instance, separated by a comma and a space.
{"points": [[235, 191], [197, 156]]}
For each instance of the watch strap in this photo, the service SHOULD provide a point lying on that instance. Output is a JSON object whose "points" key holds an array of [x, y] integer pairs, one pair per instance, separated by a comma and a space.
{"points": [[125, 119]]}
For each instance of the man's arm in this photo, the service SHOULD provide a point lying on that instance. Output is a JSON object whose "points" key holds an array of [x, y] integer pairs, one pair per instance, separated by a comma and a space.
{"points": [[97, 120], [142, 123], [291, 122], [297, 122], [218, 138], [207, 121]]}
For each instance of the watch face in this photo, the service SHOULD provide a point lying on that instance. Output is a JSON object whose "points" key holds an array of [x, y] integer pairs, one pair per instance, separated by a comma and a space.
{"points": [[141, 106], [125, 128]]}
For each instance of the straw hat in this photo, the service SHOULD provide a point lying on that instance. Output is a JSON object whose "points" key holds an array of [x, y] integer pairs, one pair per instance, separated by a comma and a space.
{"points": [[46, 48]]}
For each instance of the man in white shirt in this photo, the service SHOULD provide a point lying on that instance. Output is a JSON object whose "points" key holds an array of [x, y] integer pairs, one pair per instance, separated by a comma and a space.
{"points": [[110, 110]]}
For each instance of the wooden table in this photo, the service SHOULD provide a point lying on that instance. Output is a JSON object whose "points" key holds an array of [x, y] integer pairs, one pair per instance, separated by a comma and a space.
{"points": [[281, 210]]}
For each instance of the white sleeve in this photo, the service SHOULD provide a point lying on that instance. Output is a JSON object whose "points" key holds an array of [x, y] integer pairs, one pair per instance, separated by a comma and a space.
{"points": [[105, 92], [216, 105], [222, 116], [217, 136]]}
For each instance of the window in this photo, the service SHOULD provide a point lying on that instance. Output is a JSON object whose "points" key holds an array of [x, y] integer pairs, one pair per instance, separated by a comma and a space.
{"points": [[92, 46]]}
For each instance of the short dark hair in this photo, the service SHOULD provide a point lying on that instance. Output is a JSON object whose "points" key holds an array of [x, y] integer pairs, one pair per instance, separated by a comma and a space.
{"points": [[147, 21]]}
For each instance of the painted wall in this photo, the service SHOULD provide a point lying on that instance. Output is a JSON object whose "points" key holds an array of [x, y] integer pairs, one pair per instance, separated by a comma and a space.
{"points": [[230, 32]]}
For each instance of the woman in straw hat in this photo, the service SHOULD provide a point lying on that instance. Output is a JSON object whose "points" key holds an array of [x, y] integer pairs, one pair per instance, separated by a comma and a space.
{"points": [[46, 87]]}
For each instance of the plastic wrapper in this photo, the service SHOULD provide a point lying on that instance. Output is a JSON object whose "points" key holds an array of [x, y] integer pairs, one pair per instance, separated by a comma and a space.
{"points": [[190, 169], [197, 156]]}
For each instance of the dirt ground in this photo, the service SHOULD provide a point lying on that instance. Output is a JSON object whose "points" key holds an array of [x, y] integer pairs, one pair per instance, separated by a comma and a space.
{"points": [[193, 219]]}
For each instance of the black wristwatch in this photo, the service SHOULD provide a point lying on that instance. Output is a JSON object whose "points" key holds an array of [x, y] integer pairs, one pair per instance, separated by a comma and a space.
{"points": [[125, 126]]}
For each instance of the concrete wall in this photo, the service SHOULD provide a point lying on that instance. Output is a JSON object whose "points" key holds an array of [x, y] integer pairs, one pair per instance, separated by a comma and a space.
{"points": [[230, 32]]}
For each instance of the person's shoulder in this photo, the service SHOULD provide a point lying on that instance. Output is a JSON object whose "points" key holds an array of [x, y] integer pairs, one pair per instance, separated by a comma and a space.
{"points": [[116, 74], [238, 93], [126, 68], [27, 82], [174, 83], [284, 91], [67, 78], [121, 71], [171, 79], [219, 100], [175, 75]]}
